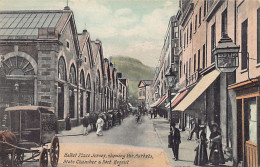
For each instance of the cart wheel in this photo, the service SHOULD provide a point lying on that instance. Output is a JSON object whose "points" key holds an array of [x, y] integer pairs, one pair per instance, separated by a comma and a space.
{"points": [[17, 158], [54, 151], [43, 161]]}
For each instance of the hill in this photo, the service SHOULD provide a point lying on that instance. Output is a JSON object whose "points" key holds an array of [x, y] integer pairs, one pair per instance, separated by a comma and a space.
{"points": [[134, 70]]}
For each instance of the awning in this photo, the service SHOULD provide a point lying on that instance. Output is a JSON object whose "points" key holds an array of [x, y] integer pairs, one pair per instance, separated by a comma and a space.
{"points": [[198, 89], [159, 101], [179, 97], [175, 96], [153, 105]]}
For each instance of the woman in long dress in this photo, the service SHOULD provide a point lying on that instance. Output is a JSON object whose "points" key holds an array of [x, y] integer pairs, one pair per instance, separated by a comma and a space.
{"points": [[99, 125], [216, 156], [201, 157]]}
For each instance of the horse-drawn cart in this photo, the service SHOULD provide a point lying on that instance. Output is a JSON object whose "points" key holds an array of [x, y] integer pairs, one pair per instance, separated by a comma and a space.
{"points": [[28, 135]]}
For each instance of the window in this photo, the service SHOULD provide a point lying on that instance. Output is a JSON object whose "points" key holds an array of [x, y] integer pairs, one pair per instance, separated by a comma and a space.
{"points": [[184, 69], [187, 35], [184, 40], [68, 44], [176, 35], [195, 23], [180, 68], [198, 59], [189, 66], [194, 66], [224, 23], [204, 57], [191, 31], [244, 44], [213, 41], [180, 39], [205, 8], [258, 35], [200, 16]]}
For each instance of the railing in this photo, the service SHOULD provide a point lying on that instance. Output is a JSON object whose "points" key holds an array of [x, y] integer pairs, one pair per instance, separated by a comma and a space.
{"points": [[192, 78]]}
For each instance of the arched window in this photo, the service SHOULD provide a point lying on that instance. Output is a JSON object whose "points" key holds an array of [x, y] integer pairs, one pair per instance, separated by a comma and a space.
{"points": [[82, 79], [72, 78], [88, 86], [108, 76], [18, 66], [98, 82], [62, 69]]}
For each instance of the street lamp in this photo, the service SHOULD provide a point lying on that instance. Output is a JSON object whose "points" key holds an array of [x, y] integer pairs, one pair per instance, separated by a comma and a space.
{"points": [[226, 55], [226, 60], [171, 77]]}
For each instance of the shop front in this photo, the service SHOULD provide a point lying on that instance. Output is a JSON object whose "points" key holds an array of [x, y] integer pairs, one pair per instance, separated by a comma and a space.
{"points": [[248, 106]]}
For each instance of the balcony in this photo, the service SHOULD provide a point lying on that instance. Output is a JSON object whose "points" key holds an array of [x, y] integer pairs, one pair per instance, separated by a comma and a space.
{"points": [[192, 78]]}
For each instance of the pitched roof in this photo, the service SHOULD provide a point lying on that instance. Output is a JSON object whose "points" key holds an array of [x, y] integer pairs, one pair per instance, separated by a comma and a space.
{"points": [[146, 82], [32, 24], [82, 39]]}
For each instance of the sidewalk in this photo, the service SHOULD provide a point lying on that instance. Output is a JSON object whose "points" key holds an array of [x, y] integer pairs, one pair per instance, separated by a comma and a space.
{"points": [[75, 131], [186, 148]]}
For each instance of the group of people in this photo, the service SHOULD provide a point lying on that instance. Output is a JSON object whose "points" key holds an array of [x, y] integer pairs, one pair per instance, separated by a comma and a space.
{"points": [[216, 156]]}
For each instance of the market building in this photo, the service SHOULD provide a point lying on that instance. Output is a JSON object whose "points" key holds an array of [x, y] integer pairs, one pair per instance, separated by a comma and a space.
{"points": [[46, 62]]}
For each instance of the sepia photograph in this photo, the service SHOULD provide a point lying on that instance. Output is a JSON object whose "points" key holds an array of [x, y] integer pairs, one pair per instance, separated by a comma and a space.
{"points": [[129, 83]]}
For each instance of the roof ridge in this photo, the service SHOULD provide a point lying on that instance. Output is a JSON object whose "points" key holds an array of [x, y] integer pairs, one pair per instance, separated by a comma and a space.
{"points": [[33, 11]]}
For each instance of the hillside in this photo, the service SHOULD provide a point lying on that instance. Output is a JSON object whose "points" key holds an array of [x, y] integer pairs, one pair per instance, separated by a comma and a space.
{"points": [[135, 71]]}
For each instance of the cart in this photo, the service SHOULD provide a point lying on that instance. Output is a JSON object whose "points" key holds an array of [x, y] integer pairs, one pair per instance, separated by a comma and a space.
{"points": [[28, 135]]}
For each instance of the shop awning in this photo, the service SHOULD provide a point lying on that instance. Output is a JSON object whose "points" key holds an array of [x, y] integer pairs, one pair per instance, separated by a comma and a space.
{"points": [[153, 105], [173, 99], [159, 101], [179, 97], [197, 90]]}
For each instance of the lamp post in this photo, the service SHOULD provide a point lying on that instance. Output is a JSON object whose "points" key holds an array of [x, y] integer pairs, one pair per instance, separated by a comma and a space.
{"points": [[171, 77], [226, 60]]}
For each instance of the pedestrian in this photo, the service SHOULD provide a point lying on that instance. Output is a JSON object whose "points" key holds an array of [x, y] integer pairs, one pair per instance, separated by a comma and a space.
{"points": [[216, 156], [67, 122], [194, 129], [151, 113], [176, 140], [201, 157], [85, 124], [119, 117], [99, 125], [155, 114]]}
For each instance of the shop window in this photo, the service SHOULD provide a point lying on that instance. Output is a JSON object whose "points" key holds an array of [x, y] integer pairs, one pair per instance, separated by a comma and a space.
{"points": [[251, 120], [244, 44]]}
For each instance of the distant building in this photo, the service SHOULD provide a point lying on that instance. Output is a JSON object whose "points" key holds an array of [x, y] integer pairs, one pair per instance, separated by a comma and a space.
{"points": [[144, 93]]}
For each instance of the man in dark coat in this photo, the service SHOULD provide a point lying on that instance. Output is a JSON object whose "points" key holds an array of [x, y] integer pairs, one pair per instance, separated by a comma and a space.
{"points": [[176, 140], [67, 122], [85, 123]]}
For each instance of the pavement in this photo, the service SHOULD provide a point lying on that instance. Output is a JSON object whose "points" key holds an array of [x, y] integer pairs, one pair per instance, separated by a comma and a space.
{"points": [[186, 148]]}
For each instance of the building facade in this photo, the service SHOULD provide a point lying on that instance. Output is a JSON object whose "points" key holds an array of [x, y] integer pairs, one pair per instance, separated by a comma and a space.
{"points": [[44, 61]]}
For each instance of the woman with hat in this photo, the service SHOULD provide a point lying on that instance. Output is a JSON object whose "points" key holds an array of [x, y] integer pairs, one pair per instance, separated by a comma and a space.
{"points": [[216, 156], [201, 157], [99, 125]]}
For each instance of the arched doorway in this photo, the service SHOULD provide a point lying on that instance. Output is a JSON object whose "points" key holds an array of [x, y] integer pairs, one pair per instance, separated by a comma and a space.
{"points": [[88, 87], [17, 81], [82, 85], [62, 77], [72, 88]]}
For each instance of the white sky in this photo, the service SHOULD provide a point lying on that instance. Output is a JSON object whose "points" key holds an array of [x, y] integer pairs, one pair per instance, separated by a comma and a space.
{"points": [[134, 28]]}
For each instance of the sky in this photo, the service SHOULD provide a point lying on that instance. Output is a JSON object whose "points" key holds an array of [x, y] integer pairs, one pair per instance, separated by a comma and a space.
{"points": [[134, 28]]}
